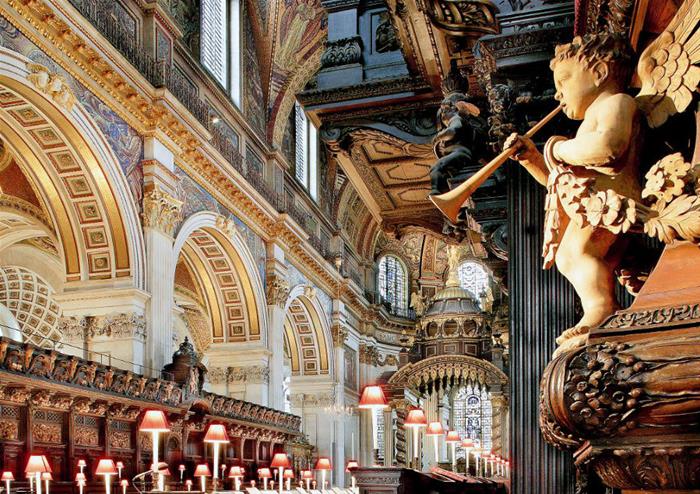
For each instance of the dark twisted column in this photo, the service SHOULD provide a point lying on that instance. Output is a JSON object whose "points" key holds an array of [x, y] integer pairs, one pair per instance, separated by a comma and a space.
{"points": [[401, 435], [541, 307]]}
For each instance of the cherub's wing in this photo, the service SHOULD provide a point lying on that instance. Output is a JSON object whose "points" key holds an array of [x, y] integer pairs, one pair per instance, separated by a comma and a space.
{"points": [[667, 67]]}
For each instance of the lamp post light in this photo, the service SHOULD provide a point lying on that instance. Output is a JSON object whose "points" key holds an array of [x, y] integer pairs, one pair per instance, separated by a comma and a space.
{"points": [[36, 465], [468, 446], [124, 483], [81, 465], [264, 474], [415, 420], [81, 480], [373, 399], [235, 473], [203, 472], [352, 465], [288, 476], [120, 465], [281, 462], [155, 422], [323, 464], [107, 468], [308, 476], [216, 435], [181, 469], [453, 439], [188, 484], [486, 456], [7, 477], [46, 477], [435, 430]]}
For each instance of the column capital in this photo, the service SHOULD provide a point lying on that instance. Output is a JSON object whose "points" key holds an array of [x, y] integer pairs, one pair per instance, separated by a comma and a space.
{"points": [[339, 333], [161, 211], [277, 290]]}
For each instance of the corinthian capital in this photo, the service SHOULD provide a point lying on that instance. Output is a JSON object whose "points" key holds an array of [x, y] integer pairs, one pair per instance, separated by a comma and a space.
{"points": [[340, 334], [277, 290], [161, 210]]}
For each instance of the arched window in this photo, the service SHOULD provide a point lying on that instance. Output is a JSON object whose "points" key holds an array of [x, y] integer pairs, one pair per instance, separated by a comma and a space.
{"points": [[393, 282], [473, 277], [471, 413]]}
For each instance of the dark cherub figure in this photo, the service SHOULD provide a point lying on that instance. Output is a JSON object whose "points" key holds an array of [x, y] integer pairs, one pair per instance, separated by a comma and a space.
{"points": [[462, 134]]}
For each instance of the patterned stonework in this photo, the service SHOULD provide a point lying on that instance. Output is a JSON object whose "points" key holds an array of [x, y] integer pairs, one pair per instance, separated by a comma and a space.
{"points": [[122, 325], [254, 374]]}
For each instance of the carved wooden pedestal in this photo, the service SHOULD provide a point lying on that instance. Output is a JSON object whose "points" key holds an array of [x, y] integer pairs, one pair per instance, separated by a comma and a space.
{"points": [[628, 403]]}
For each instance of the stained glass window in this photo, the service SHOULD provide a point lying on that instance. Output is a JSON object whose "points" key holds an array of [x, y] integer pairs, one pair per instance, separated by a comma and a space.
{"points": [[380, 434], [471, 412], [473, 277], [393, 281]]}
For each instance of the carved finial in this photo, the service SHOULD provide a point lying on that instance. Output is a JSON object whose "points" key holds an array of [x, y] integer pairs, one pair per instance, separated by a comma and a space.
{"points": [[453, 256]]}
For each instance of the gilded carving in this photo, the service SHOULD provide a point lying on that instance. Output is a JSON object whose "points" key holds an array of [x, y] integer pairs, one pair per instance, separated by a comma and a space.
{"points": [[277, 290], [47, 433], [54, 85], [161, 210], [122, 440], [9, 430], [86, 436], [339, 333]]}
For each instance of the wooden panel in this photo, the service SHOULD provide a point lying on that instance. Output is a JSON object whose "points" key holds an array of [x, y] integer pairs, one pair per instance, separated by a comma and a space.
{"points": [[541, 307]]}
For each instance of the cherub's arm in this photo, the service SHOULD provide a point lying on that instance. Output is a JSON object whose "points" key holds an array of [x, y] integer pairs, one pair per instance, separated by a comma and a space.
{"points": [[529, 157], [610, 138]]}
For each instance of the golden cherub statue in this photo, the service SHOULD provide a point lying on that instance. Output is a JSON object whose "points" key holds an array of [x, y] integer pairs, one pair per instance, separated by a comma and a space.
{"points": [[594, 191]]}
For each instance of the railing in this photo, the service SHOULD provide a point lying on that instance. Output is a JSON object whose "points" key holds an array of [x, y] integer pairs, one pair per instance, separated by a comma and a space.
{"points": [[403, 312]]}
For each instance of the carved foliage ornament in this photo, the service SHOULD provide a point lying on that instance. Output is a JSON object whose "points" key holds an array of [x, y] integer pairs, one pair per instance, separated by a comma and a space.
{"points": [[277, 290], [161, 210], [464, 17], [342, 52], [54, 85]]}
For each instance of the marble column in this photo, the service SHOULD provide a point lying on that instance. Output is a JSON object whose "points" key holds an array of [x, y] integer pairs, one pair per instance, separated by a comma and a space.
{"points": [[161, 216], [277, 291], [339, 333]]}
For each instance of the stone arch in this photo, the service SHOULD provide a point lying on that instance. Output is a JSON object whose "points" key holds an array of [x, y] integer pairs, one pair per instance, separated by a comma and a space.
{"points": [[67, 159], [229, 285], [307, 334], [416, 374]]}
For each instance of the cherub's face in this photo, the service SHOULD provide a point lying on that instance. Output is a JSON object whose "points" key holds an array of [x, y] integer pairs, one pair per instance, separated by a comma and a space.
{"points": [[576, 87]]}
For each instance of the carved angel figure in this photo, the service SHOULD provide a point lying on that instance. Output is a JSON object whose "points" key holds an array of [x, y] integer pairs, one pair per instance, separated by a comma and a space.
{"points": [[594, 191], [418, 303], [462, 131]]}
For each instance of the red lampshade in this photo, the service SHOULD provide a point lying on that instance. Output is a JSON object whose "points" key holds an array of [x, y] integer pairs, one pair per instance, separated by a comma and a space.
{"points": [[415, 418], [165, 471], [434, 429], [154, 421], [453, 437], [288, 474], [188, 482], [37, 464], [373, 397], [264, 473], [181, 468], [468, 443], [323, 463], [46, 476], [216, 433], [80, 477], [81, 463], [280, 460], [307, 474], [7, 476], [202, 471], [106, 467], [120, 464], [124, 483], [235, 472], [351, 464]]}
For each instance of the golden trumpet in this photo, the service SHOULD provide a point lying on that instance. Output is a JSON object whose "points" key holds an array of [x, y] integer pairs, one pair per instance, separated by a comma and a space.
{"points": [[450, 202]]}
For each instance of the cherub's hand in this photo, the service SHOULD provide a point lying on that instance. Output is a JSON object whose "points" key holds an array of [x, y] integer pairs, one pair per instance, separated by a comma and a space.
{"points": [[525, 149]]}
